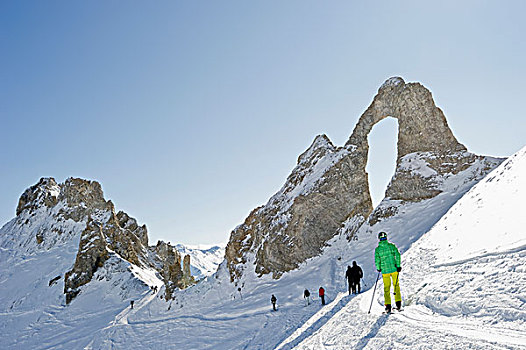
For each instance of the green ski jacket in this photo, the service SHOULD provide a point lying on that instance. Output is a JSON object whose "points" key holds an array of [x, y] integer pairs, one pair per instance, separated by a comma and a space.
{"points": [[386, 257]]}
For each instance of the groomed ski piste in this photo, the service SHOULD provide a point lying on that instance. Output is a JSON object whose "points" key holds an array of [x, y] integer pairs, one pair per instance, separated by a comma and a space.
{"points": [[463, 285]]}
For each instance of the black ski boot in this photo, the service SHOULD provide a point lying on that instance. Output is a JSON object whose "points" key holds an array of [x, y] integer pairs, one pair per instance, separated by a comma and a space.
{"points": [[387, 308], [399, 305]]}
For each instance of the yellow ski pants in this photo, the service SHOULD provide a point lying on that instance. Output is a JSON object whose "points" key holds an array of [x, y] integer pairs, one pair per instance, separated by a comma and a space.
{"points": [[387, 287]]}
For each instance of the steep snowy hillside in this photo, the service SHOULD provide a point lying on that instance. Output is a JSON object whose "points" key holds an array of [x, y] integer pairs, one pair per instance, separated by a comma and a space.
{"points": [[217, 314], [463, 283], [69, 263], [203, 262]]}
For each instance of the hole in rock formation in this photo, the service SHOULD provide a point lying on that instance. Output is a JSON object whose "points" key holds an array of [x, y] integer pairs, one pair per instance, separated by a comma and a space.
{"points": [[381, 160]]}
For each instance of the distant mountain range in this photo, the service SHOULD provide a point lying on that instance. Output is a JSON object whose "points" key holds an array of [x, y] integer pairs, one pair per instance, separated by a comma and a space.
{"points": [[203, 262]]}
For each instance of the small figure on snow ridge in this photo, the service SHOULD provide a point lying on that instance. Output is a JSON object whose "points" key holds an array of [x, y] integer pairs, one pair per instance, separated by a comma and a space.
{"points": [[321, 292], [273, 300], [306, 296]]}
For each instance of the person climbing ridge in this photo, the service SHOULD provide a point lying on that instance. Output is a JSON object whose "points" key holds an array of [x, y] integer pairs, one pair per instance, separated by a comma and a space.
{"points": [[353, 275], [321, 292], [131, 304], [273, 300], [387, 261]]}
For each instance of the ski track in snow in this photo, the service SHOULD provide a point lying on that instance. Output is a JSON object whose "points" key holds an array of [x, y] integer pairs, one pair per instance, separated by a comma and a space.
{"points": [[353, 328]]}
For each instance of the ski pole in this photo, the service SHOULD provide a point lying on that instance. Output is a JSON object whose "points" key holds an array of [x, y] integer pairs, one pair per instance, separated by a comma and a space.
{"points": [[374, 291]]}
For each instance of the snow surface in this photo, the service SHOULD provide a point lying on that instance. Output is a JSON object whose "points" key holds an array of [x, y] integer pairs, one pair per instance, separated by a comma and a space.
{"points": [[415, 163], [463, 284]]}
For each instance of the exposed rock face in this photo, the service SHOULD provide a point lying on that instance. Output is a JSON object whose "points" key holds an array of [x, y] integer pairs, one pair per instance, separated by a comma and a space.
{"points": [[422, 125], [78, 205], [422, 128], [329, 186], [92, 255], [170, 267], [427, 149], [308, 210], [204, 262], [188, 279], [45, 192]]}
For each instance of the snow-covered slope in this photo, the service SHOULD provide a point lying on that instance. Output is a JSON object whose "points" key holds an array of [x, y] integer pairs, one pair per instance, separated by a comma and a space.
{"points": [[50, 239], [463, 282], [217, 314], [448, 290], [203, 262]]}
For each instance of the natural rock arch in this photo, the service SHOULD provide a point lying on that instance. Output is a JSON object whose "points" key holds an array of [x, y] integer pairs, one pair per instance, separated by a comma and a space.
{"points": [[329, 187], [422, 127]]}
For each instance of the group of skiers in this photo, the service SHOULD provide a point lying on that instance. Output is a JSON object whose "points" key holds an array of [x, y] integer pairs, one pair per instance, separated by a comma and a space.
{"points": [[306, 296], [388, 263]]}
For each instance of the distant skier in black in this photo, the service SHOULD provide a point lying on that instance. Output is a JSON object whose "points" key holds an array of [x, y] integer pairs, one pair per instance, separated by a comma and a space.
{"points": [[353, 275], [306, 296], [131, 304], [273, 300]]}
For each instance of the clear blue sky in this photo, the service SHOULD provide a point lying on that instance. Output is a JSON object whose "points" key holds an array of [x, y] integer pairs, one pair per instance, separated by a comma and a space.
{"points": [[192, 113]]}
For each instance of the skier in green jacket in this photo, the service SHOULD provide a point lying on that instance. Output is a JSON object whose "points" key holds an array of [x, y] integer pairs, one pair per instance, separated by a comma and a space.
{"points": [[387, 260]]}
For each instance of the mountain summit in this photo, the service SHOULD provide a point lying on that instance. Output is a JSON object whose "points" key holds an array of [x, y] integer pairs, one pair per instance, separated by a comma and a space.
{"points": [[74, 216], [328, 190]]}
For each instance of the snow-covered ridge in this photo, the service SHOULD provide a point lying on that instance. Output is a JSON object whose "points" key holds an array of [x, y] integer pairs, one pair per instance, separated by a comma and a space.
{"points": [[239, 316], [494, 223], [462, 282], [75, 222], [312, 165]]}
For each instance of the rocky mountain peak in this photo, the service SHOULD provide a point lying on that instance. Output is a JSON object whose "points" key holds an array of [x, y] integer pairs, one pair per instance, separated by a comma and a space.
{"points": [[306, 212], [319, 148], [328, 191], [52, 215], [85, 193], [44, 193]]}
